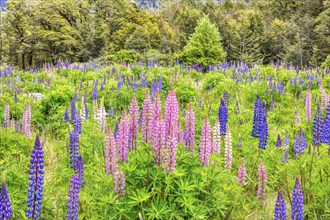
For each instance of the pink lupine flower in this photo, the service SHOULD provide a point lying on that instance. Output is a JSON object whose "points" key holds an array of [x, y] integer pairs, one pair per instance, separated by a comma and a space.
{"points": [[158, 107], [101, 117], [12, 123], [6, 118], [189, 134], [119, 182], [216, 137], [110, 153], [134, 125], [297, 118], [170, 159], [262, 180], [159, 142], [323, 97], [123, 138], [308, 101], [241, 178], [228, 149], [26, 123], [147, 118], [205, 144]]}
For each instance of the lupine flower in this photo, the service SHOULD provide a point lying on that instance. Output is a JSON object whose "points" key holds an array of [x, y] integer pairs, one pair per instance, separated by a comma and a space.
{"points": [[263, 128], [325, 136], [189, 134], [147, 118], [285, 157], [297, 202], [134, 126], [94, 95], [12, 123], [323, 97], [111, 111], [74, 148], [5, 204], [73, 110], [95, 110], [280, 208], [73, 201], [297, 118], [123, 138], [262, 180], [6, 118], [66, 115], [308, 104], [317, 127], [241, 177], [80, 170], [26, 124], [300, 143], [35, 192], [278, 141], [236, 109], [226, 97], [159, 142], [171, 116], [223, 117], [110, 153], [216, 138], [119, 182], [286, 139], [205, 145], [256, 117], [228, 150], [17, 127], [101, 117]]}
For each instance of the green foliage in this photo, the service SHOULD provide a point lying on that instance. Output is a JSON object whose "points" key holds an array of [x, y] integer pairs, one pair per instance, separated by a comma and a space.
{"points": [[204, 45], [126, 56]]}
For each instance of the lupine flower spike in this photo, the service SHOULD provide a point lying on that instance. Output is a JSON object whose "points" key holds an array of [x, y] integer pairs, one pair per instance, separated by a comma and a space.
{"points": [[110, 153], [241, 177], [101, 116], [223, 117], [119, 182], [123, 138], [189, 134], [300, 143], [317, 127], [278, 141], [159, 142], [280, 208], [262, 180], [147, 118], [6, 117], [35, 192], [73, 201], [216, 138], [205, 143], [5, 204], [134, 126], [228, 149], [308, 101], [26, 124], [297, 202]]}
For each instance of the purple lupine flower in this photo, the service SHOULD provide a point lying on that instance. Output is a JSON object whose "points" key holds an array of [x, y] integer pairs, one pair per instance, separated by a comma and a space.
{"points": [[278, 141], [85, 98], [285, 157], [189, 134], [94, 95], [223, 117], [241, 177], [308, 104], [205, 146], [286, 139], [134, 126], [297, 118], [35, 192], [73, 201], [110, 153], [66, 115], [262, 180], [147, 118], [228, 150], [73, 110], [12, 123], [119, 182], [158, 107], [6, 118], [74, 148], [17, 127], [317, 127], [75, 96], [325, 136], [263, 127], [297, 202], [280, 208], [123, 138], [5, 204], [300, 143], [159, 142], [86, 112], [111, 111], [80, 170]]}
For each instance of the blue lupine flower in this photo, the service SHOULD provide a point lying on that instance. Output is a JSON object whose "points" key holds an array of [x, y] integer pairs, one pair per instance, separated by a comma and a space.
{"points": [[73, 201], [297, 202], [80, 170], [317, 127], [77, 124], [223, 117], [66, 115], [300, 143], [5, 204], [280, 209], [74, 148], [325, 136], [73, 110], [35, 192], [94, 95], [278, 141]]}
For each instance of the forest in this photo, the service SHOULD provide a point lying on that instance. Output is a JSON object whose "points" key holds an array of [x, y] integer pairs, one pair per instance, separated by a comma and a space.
{"points": [[258, 31]]}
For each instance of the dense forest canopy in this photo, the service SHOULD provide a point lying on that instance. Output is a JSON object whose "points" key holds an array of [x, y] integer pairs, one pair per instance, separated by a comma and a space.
{"points": [[256, 31]]}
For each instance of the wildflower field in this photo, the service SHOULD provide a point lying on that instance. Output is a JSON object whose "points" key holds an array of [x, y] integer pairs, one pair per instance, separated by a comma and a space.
{"points": [[142, 141]]}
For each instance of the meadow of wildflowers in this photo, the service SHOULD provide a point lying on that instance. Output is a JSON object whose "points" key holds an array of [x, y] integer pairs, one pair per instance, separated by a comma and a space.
{"points": [[142, 141]]}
